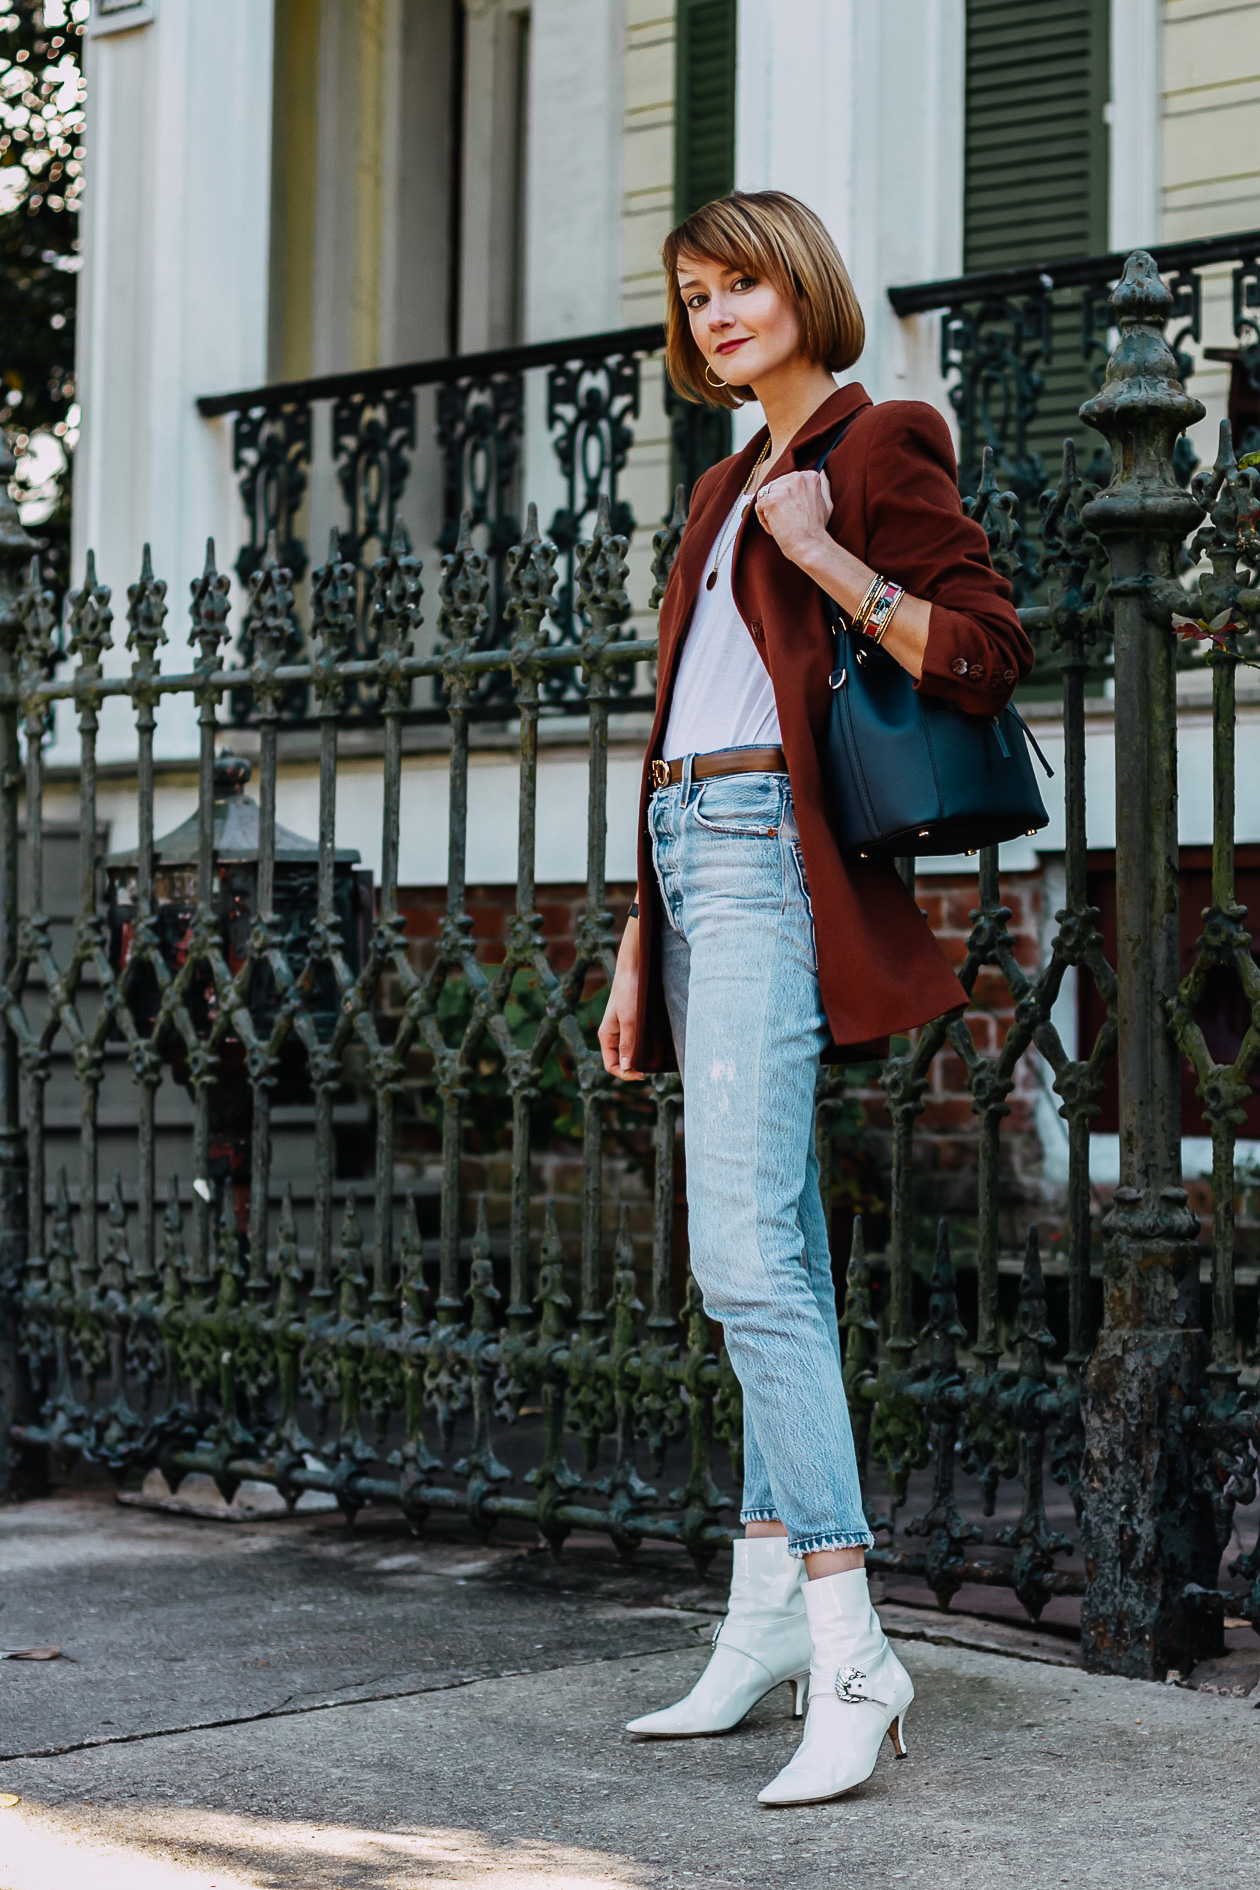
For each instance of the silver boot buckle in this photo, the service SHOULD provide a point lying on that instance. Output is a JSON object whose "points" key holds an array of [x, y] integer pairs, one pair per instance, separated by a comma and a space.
{"points": [[846, 1679]]}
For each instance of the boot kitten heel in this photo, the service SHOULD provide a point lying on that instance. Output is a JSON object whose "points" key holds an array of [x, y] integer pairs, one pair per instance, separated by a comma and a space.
{"points": [[763, 1641], [858, 1691]]}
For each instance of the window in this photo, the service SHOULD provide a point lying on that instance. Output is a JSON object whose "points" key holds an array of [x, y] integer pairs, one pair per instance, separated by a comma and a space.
{"points": [[1035, 186], [704, 104]]}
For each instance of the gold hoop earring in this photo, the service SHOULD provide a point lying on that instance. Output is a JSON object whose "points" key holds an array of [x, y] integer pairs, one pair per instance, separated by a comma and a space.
{"points": [[709, 378]]}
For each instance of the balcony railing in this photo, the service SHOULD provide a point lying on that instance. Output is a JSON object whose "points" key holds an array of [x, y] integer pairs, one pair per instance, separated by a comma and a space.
{"points": [[1003, 330], [591, 398]]}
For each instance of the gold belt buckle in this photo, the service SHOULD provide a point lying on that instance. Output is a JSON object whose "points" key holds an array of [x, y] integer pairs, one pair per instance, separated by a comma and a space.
{"points": [[660, 773]]}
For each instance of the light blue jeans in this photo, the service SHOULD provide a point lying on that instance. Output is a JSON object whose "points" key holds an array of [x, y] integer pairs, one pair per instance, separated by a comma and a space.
{"points": [[741, 986]]}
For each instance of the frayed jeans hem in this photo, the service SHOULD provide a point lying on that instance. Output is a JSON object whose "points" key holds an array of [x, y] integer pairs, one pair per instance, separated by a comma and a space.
{"points": [[817, 1545], [757, 1515]]}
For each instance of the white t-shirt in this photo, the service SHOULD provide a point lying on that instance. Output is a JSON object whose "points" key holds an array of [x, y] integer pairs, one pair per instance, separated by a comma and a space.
{"points": [[723, 696]]}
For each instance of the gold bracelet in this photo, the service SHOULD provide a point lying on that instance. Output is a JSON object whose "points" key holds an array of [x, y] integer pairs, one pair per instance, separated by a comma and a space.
{"points": [[863, 610]]}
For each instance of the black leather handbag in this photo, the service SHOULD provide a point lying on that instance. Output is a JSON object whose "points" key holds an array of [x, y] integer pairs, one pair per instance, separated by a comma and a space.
{"points": [[908, 773]]}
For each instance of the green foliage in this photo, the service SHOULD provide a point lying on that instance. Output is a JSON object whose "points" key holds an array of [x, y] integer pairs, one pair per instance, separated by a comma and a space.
{"points": [[556, 1111], [41, 182]]}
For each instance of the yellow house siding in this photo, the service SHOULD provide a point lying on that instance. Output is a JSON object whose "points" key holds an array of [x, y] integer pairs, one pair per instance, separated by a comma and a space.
{"points": [[1210, 159], [647, 156], [1211, 117]]}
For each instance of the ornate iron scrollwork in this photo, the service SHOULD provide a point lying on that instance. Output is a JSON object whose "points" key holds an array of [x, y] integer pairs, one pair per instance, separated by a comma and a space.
{"points": [[372, 439], [271, 449], [480, 422], [590, 404], [1245, 299], [997, 349], [699, 437]]}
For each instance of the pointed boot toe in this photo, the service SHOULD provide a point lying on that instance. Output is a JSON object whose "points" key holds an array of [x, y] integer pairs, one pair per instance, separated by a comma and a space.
{"points": [[763, 1641], [858, 1694]]}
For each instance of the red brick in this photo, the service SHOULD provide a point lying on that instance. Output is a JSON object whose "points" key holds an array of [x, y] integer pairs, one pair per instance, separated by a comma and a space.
{"points": [[952, 1112], [990, 991], [932, 904], [959, 907]]}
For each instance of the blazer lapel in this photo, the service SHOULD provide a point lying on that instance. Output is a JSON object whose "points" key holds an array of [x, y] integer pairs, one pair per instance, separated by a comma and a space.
{"points": [[837, 407]]}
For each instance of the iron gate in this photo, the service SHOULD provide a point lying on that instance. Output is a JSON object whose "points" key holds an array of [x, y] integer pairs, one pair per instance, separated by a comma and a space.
{"points": [[158, 1331]]}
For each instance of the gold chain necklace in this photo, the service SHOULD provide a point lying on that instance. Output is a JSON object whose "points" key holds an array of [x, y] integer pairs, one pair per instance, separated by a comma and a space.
{"points": [[732, 524]]}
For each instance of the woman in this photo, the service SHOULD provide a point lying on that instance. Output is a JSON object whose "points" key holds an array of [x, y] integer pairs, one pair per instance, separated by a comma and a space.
{"points": [[756, 950]]}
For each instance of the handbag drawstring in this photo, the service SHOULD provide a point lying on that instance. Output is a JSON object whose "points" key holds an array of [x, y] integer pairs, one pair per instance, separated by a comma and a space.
{"points": [[1032, 741]]}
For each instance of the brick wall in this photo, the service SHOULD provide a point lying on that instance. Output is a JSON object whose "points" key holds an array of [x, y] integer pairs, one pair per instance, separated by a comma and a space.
{"points": [[557, 1162], [946, 1132]]}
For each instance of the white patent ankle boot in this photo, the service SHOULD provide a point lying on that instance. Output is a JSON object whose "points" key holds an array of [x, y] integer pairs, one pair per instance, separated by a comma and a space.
{"points": [[763, 1641], [858, 1691]]}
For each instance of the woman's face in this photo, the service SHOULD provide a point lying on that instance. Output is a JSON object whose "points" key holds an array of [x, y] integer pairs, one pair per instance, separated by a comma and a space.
{"points": [[742, 325]]}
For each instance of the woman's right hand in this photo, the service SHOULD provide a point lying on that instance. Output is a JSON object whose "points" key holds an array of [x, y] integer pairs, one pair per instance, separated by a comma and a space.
{"points": [[616, 1033]]}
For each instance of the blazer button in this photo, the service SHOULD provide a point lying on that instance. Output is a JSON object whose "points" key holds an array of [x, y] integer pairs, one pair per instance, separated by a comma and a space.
{"points": [[959, 666]]}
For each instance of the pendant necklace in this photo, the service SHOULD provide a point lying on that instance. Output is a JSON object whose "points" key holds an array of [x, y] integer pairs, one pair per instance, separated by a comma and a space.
{"points": [[733, 523]]}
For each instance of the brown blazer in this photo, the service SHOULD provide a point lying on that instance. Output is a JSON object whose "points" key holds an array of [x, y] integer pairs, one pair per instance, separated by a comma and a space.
{"points": [[896, 506]]}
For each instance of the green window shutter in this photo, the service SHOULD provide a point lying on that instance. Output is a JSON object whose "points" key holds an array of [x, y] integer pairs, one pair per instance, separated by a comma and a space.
{"points": [[1036, 142], [1035, 183], [704, 103]]}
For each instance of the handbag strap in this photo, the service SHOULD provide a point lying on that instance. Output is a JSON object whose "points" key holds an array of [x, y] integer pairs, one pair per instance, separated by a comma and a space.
{"points": [[831, 609], [835, 440]]}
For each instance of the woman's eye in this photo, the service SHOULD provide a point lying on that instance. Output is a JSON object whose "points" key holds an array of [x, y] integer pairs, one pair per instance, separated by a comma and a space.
{"points": [[696, 301], [746, 282]]}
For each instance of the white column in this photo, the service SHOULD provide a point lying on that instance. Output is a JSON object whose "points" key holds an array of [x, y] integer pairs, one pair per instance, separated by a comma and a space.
{"points": [[572, 196], [858, 110], [573, 168], [1134, 118], [173, 304]]}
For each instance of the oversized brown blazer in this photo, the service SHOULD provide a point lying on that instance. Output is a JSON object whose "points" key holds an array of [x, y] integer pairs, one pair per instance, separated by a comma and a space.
{"points": [[896, 506]]}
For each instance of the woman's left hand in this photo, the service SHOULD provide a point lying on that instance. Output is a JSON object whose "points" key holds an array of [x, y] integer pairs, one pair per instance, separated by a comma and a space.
{"points": [[794, 509]]}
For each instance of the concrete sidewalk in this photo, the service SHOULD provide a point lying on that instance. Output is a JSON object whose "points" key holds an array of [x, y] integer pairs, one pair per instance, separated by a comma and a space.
{"points": [[378, 1736]]}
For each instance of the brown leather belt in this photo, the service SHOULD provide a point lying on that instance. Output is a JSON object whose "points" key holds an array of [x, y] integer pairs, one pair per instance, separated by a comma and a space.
{"points": [[722, 761]]}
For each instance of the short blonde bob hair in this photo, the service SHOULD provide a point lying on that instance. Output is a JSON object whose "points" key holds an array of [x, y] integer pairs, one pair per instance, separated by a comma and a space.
{"points": [[777, 237]]}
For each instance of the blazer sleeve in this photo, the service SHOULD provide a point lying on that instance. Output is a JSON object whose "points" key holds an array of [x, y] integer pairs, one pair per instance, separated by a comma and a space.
{"points": [[919, 535]]}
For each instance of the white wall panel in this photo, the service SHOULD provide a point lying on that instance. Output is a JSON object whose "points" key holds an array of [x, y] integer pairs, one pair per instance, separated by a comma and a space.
{"points": [[826, 93], [173, 304]]}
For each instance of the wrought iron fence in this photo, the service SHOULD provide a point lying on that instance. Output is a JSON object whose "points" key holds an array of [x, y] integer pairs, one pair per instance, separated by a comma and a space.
{"points": [[1005, 334], [592, 393], [215, 1343]]}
